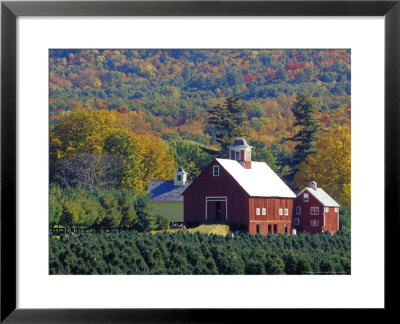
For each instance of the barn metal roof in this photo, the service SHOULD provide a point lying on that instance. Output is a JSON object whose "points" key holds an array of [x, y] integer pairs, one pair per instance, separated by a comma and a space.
{"points": [[321, 195], [165, 190], [259, 181]]}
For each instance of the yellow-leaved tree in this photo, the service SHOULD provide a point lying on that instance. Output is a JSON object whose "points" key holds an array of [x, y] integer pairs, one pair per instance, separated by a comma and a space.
{"points": [[156, 161], [83, 133], [329, 166], [79, 131]]}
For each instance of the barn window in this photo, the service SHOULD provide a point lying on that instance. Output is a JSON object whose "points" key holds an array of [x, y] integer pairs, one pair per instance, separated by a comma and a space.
{"points": [[326, 209], [336, 209], [264, 211], [286, 229], [258, 228], [237, 155], [297, 221], [306, 197], [280, 211], [286, 211], [275, 228], [269, 229], [314, 222], [216, 170], [314, 210], [179, 177], [298, 210], [257, 211]]}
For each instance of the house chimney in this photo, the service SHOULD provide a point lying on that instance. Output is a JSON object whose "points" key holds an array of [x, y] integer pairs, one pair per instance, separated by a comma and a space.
{"points": [[313, 185], [180, 177], [241, 151]]}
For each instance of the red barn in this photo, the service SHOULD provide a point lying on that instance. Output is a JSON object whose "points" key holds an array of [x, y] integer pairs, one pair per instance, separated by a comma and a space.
{"points": [[239, 192], [315, 211]]}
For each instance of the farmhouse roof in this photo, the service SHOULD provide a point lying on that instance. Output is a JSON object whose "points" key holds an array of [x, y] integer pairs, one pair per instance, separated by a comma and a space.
{"points": [[259, 181], [165, 190], [321, 195]]}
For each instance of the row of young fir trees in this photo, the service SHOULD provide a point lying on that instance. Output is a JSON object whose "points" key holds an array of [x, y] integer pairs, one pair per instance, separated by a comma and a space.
{"points": [[130, 252]]}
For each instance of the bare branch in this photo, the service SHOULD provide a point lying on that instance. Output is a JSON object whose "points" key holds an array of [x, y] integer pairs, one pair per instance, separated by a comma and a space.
{"points": [[90, 170]]}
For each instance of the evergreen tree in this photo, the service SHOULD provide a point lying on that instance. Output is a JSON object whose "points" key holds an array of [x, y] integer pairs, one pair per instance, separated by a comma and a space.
{"points": [[305, 111], [55, 205], [227, 122], [344, 219], [161, 222], [145, 221]]}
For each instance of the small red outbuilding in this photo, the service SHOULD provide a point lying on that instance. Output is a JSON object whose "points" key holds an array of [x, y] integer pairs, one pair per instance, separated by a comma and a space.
{"points": [[315, 211]]}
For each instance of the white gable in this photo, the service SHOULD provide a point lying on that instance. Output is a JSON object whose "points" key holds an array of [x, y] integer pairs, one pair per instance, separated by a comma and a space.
{"points": [[321, 195], [259, 181]]}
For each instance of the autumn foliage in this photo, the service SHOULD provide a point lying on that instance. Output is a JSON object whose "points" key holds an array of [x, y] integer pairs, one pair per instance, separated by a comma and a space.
{"points": [[330, 165], [104, 133], [144, 113]]}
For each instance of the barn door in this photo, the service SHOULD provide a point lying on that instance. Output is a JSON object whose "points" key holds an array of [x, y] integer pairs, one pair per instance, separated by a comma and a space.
{"points": [[216, 209]]}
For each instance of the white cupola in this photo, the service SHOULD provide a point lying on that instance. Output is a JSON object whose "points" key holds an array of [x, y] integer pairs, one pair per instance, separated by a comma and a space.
{"points": [[241, 151], [180, 177], [313, 185]]}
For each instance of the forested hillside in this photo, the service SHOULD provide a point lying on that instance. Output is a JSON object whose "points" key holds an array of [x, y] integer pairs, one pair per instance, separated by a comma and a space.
{"points": [[170, 90]]}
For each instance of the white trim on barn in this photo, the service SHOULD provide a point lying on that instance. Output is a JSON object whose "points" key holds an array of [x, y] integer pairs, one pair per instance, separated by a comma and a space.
{"points": [[217, 198], [215, 168]]}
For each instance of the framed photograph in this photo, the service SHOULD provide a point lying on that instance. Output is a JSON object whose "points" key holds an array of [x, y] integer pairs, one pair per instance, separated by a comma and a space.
{"points": [[188, 161]]}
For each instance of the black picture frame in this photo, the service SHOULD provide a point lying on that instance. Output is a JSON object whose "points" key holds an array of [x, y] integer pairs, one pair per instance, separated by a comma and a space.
{"points": [[10, 10]]}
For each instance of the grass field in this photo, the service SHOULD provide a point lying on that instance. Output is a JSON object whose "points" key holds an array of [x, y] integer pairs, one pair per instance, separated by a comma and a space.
{"points": [[217, 229]]}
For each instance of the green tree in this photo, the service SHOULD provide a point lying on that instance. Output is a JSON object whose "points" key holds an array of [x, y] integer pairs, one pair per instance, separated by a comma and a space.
{"points": [[113, 216], [227, 122], [304, 266], [55, 205], [161, 222], [190, 156], [92, 212], [72, 213], [305, 111], [126, 205], [344, 219], [261, 153], [275, 265], [145, 221]]}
